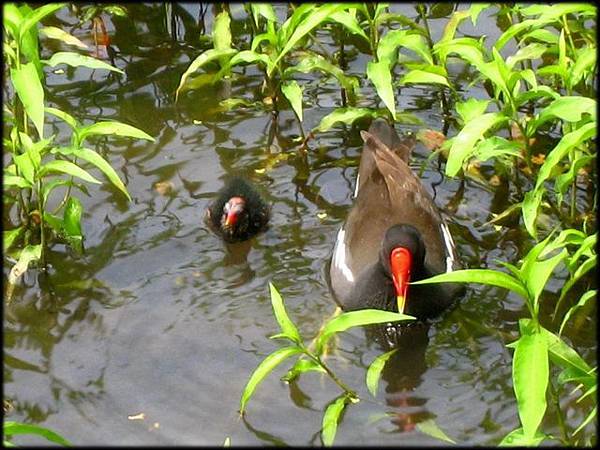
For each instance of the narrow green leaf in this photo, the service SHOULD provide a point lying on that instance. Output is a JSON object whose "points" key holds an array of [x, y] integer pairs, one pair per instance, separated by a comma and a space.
{"points": [[349, 22], [430, 428], [70, 120], [471, 109], [201, 60], [530, 52], [356, 318], [452, 25], [379, 73], [72, 217], [374, 371], [113, 129], [331, 418], [77, 60], [530, 380], [13, 428], [345, 115], [264, 9], [387, 49], [308, 23], [10, 236], [516, 438], [585, 62], [29, 89], [420, 76], [26, 167], [566, 180], [63, 36], [97, 160], [481, 276], [475, 9], [263, 369], [567, 142], [11, 19], [587, 420], [13, 180], [293, 93], [55, 222], [463, 144], [584, 268], [68, 168], [495, 147], [301, 366], [540, 273], [287, 326], [36, 15]]}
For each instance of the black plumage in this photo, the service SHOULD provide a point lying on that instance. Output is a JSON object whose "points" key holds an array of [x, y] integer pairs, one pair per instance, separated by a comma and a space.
{"points": [[249, 214]]}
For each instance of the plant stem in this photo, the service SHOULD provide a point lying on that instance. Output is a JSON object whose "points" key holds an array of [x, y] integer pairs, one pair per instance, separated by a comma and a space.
{"points": [[42, 232], [332, 375], [559, 415]]}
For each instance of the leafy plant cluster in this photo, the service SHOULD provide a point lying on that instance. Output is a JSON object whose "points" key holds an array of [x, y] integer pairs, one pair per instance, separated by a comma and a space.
{"points": [[39, 164], [543, 92]]}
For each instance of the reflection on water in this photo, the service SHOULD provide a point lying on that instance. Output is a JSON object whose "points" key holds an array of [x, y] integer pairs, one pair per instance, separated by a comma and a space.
{"points": [[160, 317]]}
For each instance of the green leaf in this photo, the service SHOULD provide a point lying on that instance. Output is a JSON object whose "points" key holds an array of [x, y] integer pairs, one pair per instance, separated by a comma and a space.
{"points": [[10, 236], [68, 168], [77, 60], [97, 160], [387, 48], [531, 204], [29, 89], [530, 380], [568, 109], [452, 25], [13, 428], [463, 144], [495, 147], [561, 354], [567, 142], [374, 371], [222, 32], [27, 255], [471, 109], [201, 60], [585, 62], [35, 16], [11, 19], [420, 76], [331, 418], [26, 167], [482, 276], [564, 181], [356, 318], [430, 428], [531, 51], [516, 438], [540, 272], [70, 120], [349, 22], [55, 222], [72, 217], [287, 326], [475, 9], [345, 115], [582, 269], [113, 129], [302, 365], [13, 180], [379, 73], [265, 10], [263, 369], [63, 36], [311, 21], [587, 420], [293, 92]]}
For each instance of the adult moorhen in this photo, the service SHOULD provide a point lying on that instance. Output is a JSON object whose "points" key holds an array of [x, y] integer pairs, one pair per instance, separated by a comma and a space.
{"points": [[239, 212], [394, 234]]}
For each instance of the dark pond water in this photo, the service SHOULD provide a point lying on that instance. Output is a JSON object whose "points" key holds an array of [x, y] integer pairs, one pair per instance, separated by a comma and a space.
{"points": [[160, 317]]}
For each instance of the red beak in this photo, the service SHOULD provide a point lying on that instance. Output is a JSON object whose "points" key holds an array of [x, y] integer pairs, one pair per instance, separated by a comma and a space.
{"points": [[401, 263], [233, 209]]}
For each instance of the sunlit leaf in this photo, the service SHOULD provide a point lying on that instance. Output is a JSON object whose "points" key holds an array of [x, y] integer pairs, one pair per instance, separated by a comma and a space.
{"points": [[420, 76], [567, 142], [379, 73], [92, 157], [26, 167], [568, 109], [586, 60], [287, 326], [29, 89], [374, 371], [530, 52], [430, 428], [471, 108], [530, 380], [452, 24], [11, 428], [72, 216], [13, 180], [221, 31], [204, 58], [587, 420], [331, 418], [63, 36], [516, 438], [63, 116], [387, 48], [263, 369], [481, 276], [113, 129], [346, 116], [293, 92], [36, 15], [475, 9], [301, 366], [77, 60], [540, 273], [265, 10], [356, 318], [11, 19], [349, 22], [68, 168], [463, 144], [10, 236]]}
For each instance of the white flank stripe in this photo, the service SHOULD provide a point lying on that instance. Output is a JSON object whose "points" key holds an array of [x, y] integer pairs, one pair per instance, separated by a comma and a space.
{"points": [[339, 256], [356, 188], [449, 247]]}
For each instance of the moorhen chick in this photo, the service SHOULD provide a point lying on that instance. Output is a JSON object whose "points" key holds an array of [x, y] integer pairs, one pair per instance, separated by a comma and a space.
{"points": [[239, 212], [393, 234]]}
